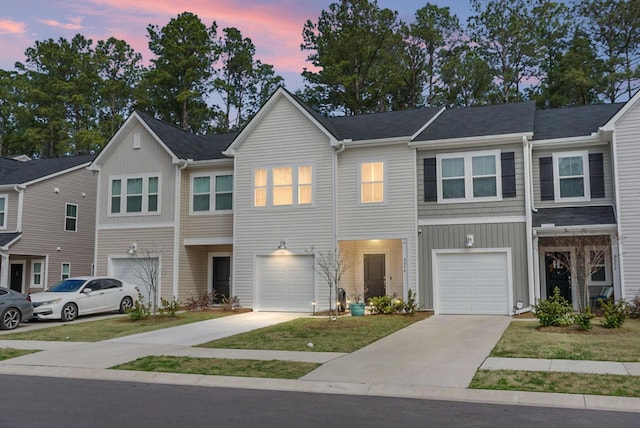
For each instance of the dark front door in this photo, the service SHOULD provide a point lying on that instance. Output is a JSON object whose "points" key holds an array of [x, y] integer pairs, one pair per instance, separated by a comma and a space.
{"points": [[557, 274], [221, 277], [374, 275], [16, 277]]}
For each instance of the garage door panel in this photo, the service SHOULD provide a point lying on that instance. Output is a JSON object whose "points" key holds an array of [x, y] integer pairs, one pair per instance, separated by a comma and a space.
{"points": [[285, 283], [472, 283]]}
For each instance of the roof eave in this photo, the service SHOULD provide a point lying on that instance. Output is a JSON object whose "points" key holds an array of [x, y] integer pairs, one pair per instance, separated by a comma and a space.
{"points": [[585, 140], [211, 162], [457, 142], [56, 174], [377, 141]]}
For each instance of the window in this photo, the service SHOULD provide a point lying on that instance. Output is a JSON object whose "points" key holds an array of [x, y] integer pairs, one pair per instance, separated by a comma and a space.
{"points": [[203, 199], [371, 182], [36, 273], [467, 177], [135, 195], [598, 265], [65, 271], [3, 211], [283, 186], [571, 176], [71, 217]]}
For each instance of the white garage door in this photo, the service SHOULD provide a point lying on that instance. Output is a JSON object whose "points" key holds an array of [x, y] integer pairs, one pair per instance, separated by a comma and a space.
{"points": [[284, 283], [472, 283], [128, 270]]}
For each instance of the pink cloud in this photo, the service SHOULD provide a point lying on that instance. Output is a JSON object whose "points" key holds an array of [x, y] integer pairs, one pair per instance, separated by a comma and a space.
{"points": [[8, 26], [73, 24]]}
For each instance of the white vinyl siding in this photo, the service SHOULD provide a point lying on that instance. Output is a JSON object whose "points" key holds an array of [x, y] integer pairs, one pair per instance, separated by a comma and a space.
{"points": [[469, 177], [3, 211]]}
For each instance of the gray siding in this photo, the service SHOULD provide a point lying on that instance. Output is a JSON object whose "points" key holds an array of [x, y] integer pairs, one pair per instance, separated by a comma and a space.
{"points": [[608, 174], [43, 223], [11, 210], [198, 225], [505, 207], [628, 158], [493, 235]]}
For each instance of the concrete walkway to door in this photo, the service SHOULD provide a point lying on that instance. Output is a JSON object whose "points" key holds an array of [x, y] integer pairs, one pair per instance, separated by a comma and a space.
{"points": [[441, 351]]}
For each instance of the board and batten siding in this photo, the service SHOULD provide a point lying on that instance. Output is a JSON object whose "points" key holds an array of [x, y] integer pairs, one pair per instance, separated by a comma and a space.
{"points": [[505, 207], [393, 219], [608, 185], [627, 136], [150, 158], [492, 235], [115, 243], [43, 222], [284, 136]]}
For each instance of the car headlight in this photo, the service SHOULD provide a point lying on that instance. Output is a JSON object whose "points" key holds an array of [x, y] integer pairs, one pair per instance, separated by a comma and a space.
{"points": [[51, 302]]}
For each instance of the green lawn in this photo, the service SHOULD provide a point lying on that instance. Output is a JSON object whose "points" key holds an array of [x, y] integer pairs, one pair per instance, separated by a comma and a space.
{"points": [[221, 367], [346, 334], [567, 383], [525, 339], [6, 353], [94, 331]]}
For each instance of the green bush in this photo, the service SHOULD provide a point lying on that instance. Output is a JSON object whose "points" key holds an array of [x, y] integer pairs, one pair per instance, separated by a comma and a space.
{"points": [[381, 305], [555, 310], [583, 319], [411, 305], [169, 307], [614, 313], [139, 310], [387, 305]]}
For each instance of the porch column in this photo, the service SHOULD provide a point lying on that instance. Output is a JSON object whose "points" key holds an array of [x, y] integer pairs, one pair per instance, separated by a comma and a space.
{"points": [[4, 269], [615, 267]]}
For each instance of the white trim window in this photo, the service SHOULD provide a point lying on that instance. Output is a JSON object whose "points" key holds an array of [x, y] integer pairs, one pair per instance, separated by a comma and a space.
{"points": [[469, 177], [4, 199], [65, 271], [134, 195], [70, 217], [372, 184], [598, 265], [290, 185], [571, 176], [206, 198], [37, 273]]}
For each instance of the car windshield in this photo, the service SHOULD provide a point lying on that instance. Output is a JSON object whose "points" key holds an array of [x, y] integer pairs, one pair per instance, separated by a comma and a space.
{"points": [[67, 286]]}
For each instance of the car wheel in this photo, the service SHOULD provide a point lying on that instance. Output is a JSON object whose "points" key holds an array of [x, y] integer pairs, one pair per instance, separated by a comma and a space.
{"points": [[10, 319], [125, 304], [69, 312]]}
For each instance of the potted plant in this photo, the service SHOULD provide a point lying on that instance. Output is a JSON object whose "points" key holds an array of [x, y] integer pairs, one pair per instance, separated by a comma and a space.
{"points": [[357, 308]]}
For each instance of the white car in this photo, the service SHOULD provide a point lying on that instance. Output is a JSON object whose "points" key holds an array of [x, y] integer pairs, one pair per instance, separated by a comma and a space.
{"points": [[83, 295]]}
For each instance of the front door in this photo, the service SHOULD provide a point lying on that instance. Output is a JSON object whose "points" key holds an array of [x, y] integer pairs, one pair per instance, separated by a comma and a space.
{"points": [[374, 275], [557, 275], [17, 272], [221, 277]]}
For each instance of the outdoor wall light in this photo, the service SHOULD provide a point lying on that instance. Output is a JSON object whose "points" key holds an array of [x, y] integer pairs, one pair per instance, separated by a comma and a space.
{"points": [[519, 304], [132, 248], [282, 245], [469, 241]]}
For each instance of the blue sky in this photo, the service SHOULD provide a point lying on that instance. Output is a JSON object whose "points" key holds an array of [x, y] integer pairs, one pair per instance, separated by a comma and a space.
{"points": [[275, 26]]}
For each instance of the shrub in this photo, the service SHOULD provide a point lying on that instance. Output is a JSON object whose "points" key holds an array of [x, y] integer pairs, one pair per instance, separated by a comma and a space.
{"points": [[634, 307], [170, 307], [555, 310], [139, 310], [381, 305], [614, 313], [387, 305], [583, 319], [411, 305], [230, 303]]}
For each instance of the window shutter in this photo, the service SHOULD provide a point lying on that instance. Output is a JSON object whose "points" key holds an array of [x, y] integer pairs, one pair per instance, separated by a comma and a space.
{"points": [[430, 180], [596, 175], [508, 165], [546, 179]]}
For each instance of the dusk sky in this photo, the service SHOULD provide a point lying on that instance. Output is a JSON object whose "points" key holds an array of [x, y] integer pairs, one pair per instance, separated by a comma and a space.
{"points": [[274, 26]]}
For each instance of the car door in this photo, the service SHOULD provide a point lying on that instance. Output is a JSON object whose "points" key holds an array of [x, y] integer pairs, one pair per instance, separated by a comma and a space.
{"points": [[113, 292], [93, 301]]}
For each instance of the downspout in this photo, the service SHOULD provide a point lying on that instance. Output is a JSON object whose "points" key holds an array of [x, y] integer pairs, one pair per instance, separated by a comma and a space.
{"points": [[341, 148], [20, 189], [182, 164], [528, 197]]}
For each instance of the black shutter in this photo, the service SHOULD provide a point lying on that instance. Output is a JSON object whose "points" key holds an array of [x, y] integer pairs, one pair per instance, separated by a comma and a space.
{"points": [[508, 164], [546, 179], [430, 180], [596, 175]]}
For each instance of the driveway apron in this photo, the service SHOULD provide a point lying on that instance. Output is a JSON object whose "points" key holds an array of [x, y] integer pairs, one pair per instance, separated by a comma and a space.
{"points": [[440, 351]]}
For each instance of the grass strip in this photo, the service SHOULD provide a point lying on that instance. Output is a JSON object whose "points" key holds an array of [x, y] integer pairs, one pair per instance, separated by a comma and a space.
{"points": [[7, 353], [274, 369]]}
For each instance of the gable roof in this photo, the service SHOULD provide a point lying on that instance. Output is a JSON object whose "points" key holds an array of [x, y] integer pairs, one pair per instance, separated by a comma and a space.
{"points": [[186, 145], [8, 238], [465, 122], [14, 171], [572, 121]]}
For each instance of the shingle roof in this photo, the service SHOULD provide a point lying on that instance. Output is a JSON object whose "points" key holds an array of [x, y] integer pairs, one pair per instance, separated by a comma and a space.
{"points": [[5, 238], [17, 172], [186, 145], [481, 121], [574, 216], [572, 121]]}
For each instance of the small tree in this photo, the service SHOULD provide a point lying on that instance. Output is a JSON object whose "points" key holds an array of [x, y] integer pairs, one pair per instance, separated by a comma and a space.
{"points": [[330, 265], [147, 270]]}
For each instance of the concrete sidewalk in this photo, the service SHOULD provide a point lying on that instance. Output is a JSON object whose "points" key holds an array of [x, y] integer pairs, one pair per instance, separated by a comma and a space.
{"points": [[572, 366]]}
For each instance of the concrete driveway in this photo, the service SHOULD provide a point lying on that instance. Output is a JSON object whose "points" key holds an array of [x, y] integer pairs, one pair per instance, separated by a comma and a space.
{"points": [[440, 351]]}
